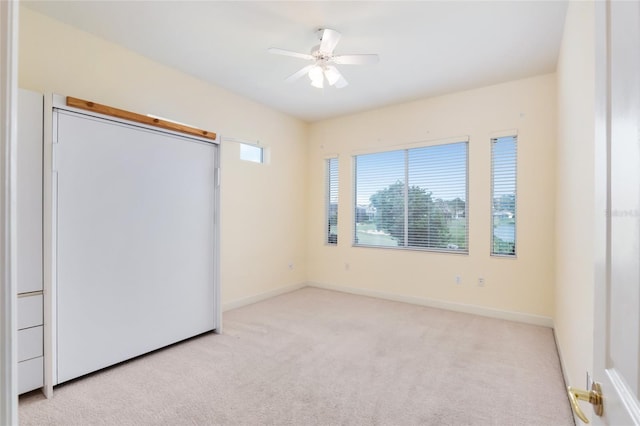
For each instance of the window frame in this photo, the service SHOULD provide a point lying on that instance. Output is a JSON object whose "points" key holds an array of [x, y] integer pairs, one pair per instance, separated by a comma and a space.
{"points": [[493, 253], [406, 148]]}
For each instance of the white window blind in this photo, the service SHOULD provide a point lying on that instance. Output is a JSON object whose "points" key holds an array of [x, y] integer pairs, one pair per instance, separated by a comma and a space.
{"points": [[503, 195], [413, 198], [332, 201]]}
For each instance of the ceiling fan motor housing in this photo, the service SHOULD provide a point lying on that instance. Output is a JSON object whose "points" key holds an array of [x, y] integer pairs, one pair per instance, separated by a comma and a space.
{"points": [[320, 56]]}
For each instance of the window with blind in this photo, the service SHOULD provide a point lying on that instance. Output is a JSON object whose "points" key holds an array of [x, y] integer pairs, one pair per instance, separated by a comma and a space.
{"points": [[332, 201], [413, 198], [503, 195]]}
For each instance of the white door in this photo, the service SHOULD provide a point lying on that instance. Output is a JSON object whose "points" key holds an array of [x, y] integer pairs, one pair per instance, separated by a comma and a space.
{"points": [[617, 309]]}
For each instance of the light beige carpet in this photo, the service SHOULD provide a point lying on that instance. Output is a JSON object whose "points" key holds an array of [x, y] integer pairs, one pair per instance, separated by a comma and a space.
{"points": [[317, 357]]}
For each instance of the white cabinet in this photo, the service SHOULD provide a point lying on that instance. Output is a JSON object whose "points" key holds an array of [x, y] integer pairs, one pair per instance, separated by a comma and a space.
{"points": [[30, 374], [29, 310], [29, 195], [29, 343], [135, 240], [29, 244]]}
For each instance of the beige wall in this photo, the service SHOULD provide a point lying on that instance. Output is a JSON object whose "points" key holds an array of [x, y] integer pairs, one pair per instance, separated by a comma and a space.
{"points": [[525, 284], [263, 206], [575, 201], [273, 214]]}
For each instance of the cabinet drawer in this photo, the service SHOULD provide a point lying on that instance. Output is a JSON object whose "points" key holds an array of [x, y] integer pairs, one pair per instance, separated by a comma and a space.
{"points": [[30, 375], [29, 343], [29, 311]]}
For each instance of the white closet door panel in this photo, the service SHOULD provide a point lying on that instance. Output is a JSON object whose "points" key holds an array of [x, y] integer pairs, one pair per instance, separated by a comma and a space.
{"points": [[29, 191], [135, 252]]}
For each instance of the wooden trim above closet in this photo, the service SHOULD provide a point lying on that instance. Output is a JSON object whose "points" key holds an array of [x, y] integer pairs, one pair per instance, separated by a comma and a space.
{"points": [[139, 118]]}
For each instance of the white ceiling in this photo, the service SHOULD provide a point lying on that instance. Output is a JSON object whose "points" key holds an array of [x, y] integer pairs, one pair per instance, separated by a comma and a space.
{"points": [[426, 48]]}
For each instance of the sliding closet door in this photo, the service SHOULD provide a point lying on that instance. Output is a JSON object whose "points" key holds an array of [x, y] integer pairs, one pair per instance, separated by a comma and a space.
{"points": [[135, 241]]}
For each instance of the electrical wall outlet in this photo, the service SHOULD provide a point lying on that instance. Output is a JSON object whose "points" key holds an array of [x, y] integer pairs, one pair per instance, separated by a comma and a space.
{"points": [[480, 282], [291, 266], [458, 280]]}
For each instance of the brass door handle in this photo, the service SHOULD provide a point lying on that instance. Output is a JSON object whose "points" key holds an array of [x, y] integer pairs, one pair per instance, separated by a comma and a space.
{"points": [[594, 397]]}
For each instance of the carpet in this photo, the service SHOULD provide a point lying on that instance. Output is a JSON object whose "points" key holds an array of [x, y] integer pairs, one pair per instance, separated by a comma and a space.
{"points": [[319, 357]]}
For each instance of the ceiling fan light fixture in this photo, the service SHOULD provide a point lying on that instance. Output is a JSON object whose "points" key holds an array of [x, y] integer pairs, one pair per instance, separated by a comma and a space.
{"points": [[317, 76], [315, 73], [332, 75], [318, 82]]}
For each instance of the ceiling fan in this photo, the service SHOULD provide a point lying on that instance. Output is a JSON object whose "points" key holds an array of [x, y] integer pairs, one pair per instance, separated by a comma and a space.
{"points": [[324, 61]]}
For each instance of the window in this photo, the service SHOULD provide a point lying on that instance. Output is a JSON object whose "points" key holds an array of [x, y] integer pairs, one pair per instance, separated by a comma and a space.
{"points": [[413, 198], [251, 153], [503, 196], [332, 201]]}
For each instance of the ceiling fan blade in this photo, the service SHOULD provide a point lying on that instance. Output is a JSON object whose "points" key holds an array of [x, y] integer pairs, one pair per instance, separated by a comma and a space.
{"points": [[356, 59], [277, 51], [329, 40], [300, 73]]}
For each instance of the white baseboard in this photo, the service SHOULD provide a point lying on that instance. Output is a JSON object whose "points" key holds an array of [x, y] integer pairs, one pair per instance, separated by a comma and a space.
{"points": [[561, 359], [441, 304], [563, 369], [261, 296]]}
